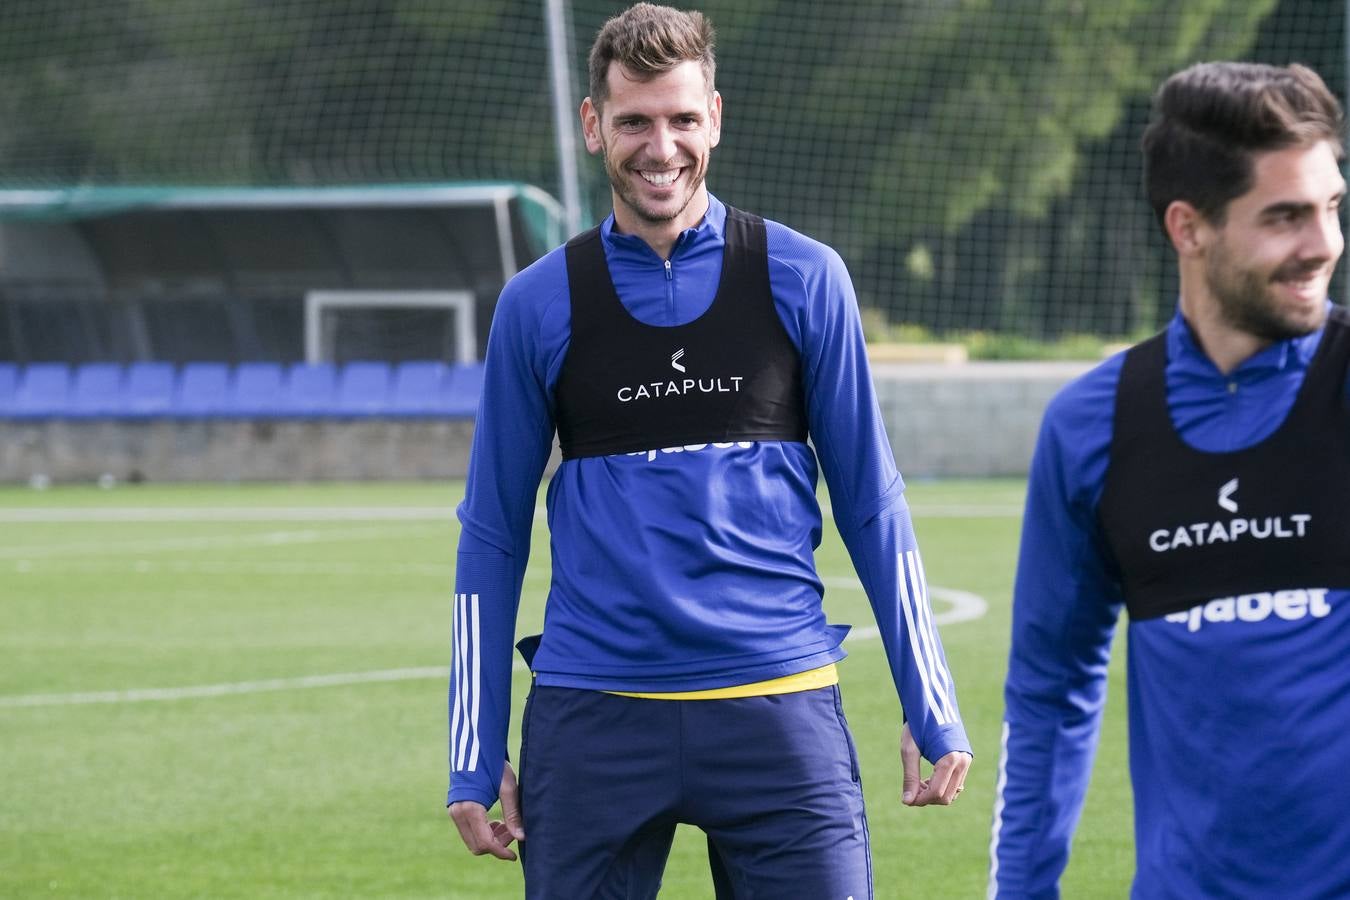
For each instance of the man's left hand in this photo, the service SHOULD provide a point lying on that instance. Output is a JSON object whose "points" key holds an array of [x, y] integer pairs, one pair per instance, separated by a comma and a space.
{"points": [[947, 781]]}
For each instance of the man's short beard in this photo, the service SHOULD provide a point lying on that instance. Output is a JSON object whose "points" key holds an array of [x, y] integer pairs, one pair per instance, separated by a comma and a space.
{"points": [[625, 193], [1245, 303]]}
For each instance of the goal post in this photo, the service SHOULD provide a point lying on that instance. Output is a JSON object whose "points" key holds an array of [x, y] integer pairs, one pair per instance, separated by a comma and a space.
{"points": [[320, 327]]}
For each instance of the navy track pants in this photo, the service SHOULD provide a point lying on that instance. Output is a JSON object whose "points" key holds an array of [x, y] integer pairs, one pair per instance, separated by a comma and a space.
{"points": [[773, 782]]}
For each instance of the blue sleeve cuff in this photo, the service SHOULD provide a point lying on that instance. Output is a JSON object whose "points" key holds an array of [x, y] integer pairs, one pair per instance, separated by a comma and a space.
{"points": [[459, 792], [948, 741]]}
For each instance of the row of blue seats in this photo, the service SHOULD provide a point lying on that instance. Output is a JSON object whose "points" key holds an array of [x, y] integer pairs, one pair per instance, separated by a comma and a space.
{"points": [[248, 390]]}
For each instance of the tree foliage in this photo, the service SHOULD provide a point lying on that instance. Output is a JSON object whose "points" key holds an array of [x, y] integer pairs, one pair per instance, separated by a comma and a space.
{"points": [[973, 160]]}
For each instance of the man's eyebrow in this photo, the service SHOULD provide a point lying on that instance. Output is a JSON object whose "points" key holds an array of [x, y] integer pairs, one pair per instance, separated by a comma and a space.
{"points": [[1298, 206], [1287, 206], [692, 113]]}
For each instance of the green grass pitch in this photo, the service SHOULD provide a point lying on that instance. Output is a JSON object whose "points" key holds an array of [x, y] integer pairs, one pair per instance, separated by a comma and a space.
{"points": [[256, 784]]}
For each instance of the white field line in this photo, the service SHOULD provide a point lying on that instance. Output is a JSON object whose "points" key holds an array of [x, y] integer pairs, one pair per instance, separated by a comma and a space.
{"points": [[236, 569], [201, 542], [963, 511], [78, 514], [139, 695], [964, 607]]}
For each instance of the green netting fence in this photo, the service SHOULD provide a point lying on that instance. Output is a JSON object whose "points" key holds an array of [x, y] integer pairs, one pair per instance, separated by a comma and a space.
{"points": [[975, 161]]}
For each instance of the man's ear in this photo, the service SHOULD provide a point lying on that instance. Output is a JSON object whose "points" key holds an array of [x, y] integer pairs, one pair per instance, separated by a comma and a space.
{"points": [[1187, 228], [714, 119], [590, 125]]}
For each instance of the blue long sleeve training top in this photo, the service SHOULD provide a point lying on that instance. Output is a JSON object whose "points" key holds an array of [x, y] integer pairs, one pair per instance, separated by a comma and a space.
{"points": [[682, 568], [1238, 723]]}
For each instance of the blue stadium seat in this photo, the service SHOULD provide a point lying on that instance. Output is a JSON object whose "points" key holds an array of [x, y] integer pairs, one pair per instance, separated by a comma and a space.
{"points": [[203, 390], [363, 389], [96, 390], [419, 389], [465, 384], [257, 390], [311, 390], [149, 389], [43, 391], [9, 386]]}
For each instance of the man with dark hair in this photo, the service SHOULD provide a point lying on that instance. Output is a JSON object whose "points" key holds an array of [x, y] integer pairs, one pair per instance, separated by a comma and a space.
{"points": [[683, 351], [1202, 481]]}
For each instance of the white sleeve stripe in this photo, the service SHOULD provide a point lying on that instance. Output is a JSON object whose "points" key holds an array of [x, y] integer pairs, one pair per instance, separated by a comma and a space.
{"points": [[942, 679], [456, 679], [467, 682], [999, 785], [461, 704], [914, 644], [931, 658], [477, 691]]}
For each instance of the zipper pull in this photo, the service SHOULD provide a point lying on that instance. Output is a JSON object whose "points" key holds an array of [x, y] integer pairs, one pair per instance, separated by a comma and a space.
{"points": [[669, 274]]}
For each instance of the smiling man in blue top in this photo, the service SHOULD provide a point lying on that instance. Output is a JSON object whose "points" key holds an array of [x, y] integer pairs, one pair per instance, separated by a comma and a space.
{"points": [[683, 352], [1202, 481]]}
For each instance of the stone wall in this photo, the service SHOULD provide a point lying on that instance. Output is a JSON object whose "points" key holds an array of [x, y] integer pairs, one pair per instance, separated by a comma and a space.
{"points": [[73, 450], [973, 419], [976, 419]]}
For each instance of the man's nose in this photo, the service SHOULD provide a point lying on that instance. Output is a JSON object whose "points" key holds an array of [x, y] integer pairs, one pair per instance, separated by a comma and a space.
{"points": [[661, 142], [1323, 239]]}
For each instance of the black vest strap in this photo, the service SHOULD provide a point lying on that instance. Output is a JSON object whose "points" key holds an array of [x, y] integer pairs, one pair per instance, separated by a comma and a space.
{"points": [[1186, 526], [732, 374]]}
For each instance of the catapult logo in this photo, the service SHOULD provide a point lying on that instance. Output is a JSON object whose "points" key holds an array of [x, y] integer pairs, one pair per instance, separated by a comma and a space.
{"points": [[1230, 530], [679, 387]]}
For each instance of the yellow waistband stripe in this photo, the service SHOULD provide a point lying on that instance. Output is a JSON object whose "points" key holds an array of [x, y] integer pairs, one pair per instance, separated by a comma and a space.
{"points": [[789, 684]]}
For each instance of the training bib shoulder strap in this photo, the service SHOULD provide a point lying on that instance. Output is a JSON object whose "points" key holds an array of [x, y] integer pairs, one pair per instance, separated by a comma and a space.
{"points": [[732, 374]]}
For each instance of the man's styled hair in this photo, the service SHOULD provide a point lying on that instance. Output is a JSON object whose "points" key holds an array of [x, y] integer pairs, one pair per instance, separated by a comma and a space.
{"points": [[648, 40], [1212, 119]]}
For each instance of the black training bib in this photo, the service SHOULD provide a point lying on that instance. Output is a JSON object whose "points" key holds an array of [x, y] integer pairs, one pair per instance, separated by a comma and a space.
{"points": [[1186, 526], [732, 374]]}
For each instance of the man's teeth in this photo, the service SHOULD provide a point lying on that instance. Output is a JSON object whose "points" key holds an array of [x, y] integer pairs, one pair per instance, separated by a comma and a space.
{"points": [[1306, 279], [660, 179]]}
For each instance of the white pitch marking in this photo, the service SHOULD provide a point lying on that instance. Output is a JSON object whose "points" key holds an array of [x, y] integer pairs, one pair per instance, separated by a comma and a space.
{"points": [[964, 607], [151, 545], [233, 569], [78, 514], [138, 695]]}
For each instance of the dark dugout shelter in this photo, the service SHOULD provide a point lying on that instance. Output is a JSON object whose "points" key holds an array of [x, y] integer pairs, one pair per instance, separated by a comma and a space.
{"points": [[334, 274]]}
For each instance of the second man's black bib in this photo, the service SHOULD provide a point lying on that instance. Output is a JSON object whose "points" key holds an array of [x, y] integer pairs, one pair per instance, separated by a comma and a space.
{"points": [[1186, 526], [732, 374]]}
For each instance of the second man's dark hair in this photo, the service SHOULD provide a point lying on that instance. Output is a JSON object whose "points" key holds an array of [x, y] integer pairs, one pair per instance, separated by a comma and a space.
{"points": [[1210, 120]]}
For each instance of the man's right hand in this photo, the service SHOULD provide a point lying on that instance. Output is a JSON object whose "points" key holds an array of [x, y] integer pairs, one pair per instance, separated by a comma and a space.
{"points": [[483, 837]]}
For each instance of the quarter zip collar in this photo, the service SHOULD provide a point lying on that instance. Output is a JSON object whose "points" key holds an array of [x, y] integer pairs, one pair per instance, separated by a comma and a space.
{"points": [[1186, 357], [631, 249]]}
